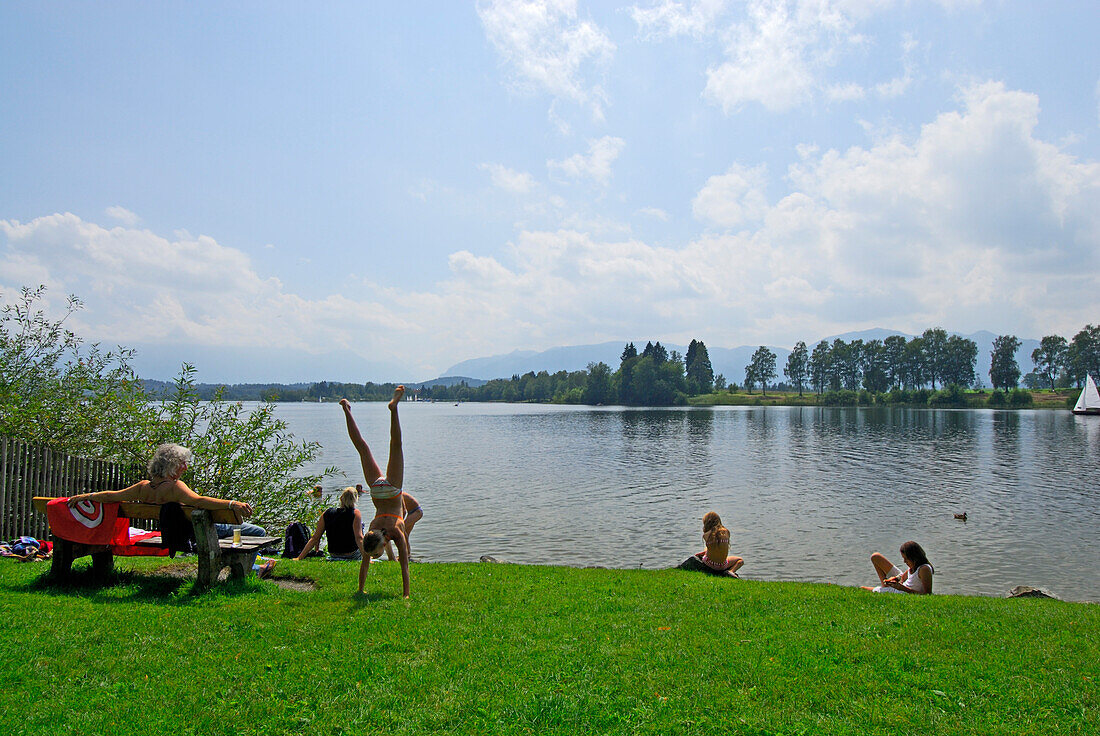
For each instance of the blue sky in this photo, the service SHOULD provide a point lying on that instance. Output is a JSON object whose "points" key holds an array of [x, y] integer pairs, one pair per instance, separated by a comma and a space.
{"points": [[369, 191]]}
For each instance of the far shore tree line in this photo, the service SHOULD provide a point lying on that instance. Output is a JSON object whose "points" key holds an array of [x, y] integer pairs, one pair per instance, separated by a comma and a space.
{"points": [[933, 368]]}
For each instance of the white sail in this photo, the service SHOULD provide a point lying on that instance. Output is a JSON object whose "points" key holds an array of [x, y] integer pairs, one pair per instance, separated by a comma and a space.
{"points": [[1089, 399]]}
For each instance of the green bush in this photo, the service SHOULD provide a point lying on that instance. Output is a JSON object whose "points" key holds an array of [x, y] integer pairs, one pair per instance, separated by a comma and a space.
{"points": [[921, 396], [951, 396], [87, 403], [1019, 398], [898, 396], [996, 399], [839, 398]]}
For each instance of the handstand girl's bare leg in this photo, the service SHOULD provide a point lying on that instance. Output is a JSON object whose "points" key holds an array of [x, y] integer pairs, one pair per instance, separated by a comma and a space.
{"points": [[395, 468], [371, 471]]}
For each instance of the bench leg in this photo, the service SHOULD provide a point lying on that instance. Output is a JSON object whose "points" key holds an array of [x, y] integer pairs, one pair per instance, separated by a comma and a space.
{"points": [[240, 565], [103, 564], [209, 553], [62, 563]]}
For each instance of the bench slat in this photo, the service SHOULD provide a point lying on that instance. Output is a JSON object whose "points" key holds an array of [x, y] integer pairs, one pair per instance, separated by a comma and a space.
{"points": [[133, 510]]}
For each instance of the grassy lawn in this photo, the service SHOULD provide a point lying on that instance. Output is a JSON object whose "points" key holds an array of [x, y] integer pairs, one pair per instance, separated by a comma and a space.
{"points": [[483, 648]]}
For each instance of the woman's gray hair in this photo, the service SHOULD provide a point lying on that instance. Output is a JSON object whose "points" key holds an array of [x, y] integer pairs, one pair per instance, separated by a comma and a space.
{"points": [[167, 459]]}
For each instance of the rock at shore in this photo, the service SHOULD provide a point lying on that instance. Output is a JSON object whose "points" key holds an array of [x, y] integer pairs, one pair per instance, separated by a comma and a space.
{"points": [[1026, 591]]}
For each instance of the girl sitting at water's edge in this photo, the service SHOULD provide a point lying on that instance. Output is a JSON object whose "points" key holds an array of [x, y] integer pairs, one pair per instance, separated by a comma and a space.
{"points": [[717, 538], [917, 579]]}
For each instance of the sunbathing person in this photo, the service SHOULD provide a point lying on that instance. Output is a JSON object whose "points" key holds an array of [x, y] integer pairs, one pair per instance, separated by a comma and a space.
{"points": [[385, 492], [168, 463], [343, 526], [916, 579], [717, 538]]}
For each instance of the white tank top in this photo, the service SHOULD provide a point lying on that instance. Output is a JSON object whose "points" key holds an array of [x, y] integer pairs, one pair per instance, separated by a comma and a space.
{"points": [[913, 582]]}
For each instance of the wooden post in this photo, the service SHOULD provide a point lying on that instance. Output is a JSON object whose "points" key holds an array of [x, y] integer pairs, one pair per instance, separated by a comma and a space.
{"points": [[4, 469], [206, 539]]}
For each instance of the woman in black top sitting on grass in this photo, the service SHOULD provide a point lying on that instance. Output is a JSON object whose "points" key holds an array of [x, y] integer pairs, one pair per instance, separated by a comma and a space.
{"points": [[343, 526]]}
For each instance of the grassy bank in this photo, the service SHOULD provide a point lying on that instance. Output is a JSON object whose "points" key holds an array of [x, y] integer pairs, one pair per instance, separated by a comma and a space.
{"points": [[485, 648], [980, 399]]}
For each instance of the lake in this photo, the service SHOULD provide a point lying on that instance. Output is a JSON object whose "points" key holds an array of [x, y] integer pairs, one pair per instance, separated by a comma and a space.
{"points": [[807, 492]]}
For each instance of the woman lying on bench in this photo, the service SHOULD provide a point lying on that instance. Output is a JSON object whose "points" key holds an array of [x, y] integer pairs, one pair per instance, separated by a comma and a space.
{"points": [[168, 464]]}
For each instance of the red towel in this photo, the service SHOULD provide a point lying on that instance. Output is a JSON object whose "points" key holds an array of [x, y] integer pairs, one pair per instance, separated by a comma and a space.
{"points": [[88, 522], [131, 548]]}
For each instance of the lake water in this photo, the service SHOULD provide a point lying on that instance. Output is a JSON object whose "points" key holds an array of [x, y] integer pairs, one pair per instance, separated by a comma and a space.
{"points": [[807, 493]]}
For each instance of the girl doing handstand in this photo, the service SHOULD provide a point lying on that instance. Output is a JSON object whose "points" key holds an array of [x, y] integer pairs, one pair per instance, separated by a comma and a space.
{"points": [[385, 493]]}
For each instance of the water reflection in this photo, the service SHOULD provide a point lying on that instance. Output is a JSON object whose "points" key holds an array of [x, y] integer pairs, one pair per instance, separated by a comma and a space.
{"points": [[807, 492]]}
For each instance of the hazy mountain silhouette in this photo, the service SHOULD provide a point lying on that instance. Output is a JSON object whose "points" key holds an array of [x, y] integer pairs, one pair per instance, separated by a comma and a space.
{"points": [[729, 362]]}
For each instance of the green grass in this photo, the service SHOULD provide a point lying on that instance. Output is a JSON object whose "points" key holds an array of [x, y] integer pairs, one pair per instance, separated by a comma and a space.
{"points": [[973, 399], [483, 648]]}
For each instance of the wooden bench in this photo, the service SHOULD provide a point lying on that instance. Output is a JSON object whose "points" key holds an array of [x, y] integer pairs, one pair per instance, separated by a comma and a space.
{"points": [[214, 554]]}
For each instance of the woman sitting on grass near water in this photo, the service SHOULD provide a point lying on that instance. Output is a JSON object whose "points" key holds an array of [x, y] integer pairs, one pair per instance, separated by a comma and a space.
{"points": [[917, 579], [717, 538], [385, 492], [343, 525]]}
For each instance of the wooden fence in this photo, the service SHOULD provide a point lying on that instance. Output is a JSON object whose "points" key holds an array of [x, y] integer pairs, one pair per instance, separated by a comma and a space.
{"points": [[28, 470]]}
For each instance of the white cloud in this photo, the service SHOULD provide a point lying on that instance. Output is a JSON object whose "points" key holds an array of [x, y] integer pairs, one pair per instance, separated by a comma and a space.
{"points": [[513, 181], [595, 166], [845, 92], [123, 215], [734, 198], [970, 220], [141, 287], [896, 87], [776, 52], [669, 19], [547, 47], [655, 212]]}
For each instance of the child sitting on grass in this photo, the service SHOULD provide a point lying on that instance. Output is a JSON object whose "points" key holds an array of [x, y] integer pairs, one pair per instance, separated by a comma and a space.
{"points": [[717, 538], [916, 579]]}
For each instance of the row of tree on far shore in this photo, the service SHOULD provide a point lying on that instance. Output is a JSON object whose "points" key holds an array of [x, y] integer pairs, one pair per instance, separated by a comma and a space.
{"points": [[933, 358], [657, 377]]}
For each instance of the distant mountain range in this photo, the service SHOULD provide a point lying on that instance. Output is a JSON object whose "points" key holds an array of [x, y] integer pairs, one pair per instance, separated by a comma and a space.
{"points": [[730, 362], [243, 365]]}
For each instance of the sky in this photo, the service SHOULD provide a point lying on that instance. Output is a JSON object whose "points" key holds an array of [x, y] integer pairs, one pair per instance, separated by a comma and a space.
{"points": [[377, 191]]}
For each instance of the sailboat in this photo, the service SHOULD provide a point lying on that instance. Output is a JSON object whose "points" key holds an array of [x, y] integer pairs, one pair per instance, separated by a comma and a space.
{"points": [[1089, 402]]}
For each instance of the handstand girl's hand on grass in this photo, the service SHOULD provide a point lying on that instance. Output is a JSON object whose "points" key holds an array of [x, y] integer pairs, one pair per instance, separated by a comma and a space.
{"points": [[385, 493]]}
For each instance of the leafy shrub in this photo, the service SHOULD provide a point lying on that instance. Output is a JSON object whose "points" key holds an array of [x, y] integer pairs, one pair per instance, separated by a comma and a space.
{"points": [[84, 402], [951, 396], [1019, 398], [246, 456], [921, 396], [839, 398], [898, 396], [866, 398], [996, 399]]}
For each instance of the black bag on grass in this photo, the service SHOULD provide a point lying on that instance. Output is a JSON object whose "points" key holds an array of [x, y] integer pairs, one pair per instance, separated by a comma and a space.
{"points": [[297, 534]]}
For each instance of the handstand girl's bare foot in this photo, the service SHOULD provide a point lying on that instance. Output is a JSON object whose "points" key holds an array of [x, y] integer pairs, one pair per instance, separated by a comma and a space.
{"points": [[398, 394]]}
